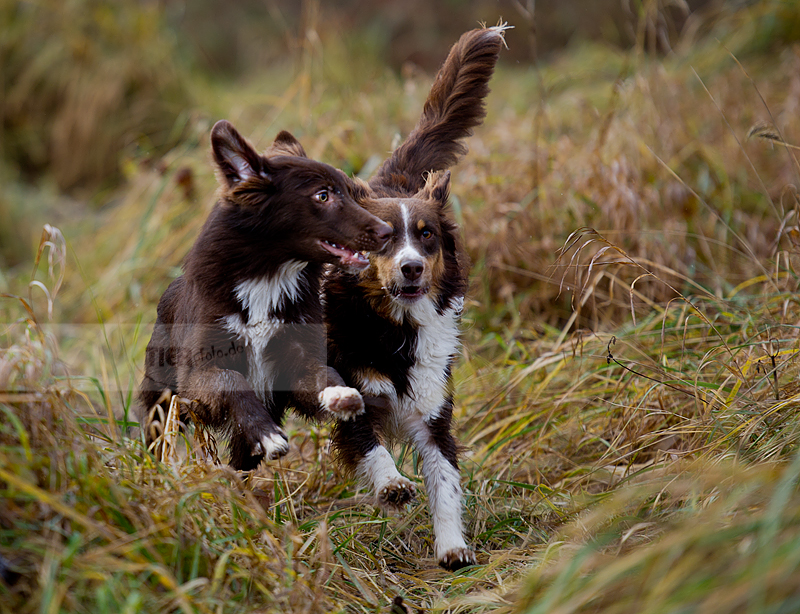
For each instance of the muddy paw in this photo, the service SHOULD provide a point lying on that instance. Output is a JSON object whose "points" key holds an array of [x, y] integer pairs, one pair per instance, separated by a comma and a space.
{"points": [[457, 558], [345, 403], [272, 446], [397, 493]]}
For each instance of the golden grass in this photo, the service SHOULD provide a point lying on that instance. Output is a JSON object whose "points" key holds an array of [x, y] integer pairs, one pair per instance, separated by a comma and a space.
{"points": [[628, 394]]}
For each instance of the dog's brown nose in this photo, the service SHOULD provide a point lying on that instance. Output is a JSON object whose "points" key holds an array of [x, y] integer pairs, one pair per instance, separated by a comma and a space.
{"points": [[411, 269]]}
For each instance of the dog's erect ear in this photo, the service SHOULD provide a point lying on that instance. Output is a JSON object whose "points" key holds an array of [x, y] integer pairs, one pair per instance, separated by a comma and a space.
{"points": [[437, 188], [236, 160], [286, 145]]}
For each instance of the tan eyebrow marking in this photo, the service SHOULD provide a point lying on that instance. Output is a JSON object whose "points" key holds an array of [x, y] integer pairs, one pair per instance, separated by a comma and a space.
{"points": [[420, 224]]}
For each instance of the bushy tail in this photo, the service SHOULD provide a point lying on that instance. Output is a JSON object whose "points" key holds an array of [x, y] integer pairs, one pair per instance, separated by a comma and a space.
{"points": [[454, 107]]}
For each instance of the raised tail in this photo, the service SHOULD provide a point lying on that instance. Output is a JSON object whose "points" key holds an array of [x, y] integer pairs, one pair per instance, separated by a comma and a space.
{"points": [[454, 107]]}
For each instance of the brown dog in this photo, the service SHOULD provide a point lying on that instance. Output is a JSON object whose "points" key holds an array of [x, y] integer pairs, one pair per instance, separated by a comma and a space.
{"points": [[241, 332]]}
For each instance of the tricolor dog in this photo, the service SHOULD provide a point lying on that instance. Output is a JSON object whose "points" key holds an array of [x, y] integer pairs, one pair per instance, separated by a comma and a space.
{"points": [[393, 328]]}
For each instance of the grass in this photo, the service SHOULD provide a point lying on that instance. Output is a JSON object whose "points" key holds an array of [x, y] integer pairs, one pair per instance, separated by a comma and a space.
{"points": [[627, 398]]}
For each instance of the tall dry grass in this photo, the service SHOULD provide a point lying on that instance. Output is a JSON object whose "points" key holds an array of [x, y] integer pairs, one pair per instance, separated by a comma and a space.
{"points": [[627, 397], [658, 162]]}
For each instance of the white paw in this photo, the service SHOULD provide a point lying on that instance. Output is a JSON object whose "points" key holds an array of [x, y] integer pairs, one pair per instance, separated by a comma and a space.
{"points": [[345, 403], [396, 493], [457, 558], [272, 446]]}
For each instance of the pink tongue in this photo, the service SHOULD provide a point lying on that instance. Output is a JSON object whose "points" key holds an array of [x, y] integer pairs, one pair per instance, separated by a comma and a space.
{"points": [[354, 258], [347, 256]]}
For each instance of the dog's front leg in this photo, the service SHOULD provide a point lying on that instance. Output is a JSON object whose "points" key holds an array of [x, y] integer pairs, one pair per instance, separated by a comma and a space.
{"points": [[319, 390], [315, 388], [227, 401], [438, 448], [361, 452], [344, 402]]}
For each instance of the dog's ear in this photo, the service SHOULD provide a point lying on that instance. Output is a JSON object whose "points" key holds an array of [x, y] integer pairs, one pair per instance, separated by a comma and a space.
{"points": [[362, 193], [286, 145], [437, 188], [236, 160]]}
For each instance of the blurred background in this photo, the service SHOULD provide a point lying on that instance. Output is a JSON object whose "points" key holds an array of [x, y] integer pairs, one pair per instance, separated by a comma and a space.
{"points": [[85, 80], [106, 105], [628, 388]]}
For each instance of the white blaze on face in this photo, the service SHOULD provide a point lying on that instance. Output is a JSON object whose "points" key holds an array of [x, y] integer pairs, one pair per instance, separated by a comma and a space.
{"points": [[407, 250]]}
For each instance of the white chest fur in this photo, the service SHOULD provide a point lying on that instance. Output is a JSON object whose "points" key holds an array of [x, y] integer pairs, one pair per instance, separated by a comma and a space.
{"points": [[437, 344], [262, 298]]}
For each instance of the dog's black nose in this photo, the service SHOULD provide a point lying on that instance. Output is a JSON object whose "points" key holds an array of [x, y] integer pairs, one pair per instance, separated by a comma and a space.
{"points": [[412, 269], [383, 232]]}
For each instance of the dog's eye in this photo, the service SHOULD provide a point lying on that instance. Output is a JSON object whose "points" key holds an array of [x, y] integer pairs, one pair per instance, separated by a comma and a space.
{"points": [[426, 234], [322, 196]]}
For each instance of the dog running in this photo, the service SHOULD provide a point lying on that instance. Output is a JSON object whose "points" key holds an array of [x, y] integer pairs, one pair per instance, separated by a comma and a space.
{"points": [[240, 333], [393, 328]]}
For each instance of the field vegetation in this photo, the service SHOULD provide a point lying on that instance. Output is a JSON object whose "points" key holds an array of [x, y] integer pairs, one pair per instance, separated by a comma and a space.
{"points": [[628, 396]]}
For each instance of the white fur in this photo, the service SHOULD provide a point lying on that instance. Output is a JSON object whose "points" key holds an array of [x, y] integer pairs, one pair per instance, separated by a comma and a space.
{"points": [[457, 305], [397, 310], [500, 30], [256, 336], [262, 298], [273, 445], [407, 251], [377, 469], [378, 387], [443, 485], [332, 396], [437, 345]]}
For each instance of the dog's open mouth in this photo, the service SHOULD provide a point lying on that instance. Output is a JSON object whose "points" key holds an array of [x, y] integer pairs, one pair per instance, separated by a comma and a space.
{"points": [[349, 258], [410, 293]]}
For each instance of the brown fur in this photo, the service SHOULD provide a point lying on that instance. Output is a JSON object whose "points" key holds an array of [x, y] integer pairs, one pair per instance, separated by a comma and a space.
{"points": [[409, 300], [241, 332], [455, 106]]}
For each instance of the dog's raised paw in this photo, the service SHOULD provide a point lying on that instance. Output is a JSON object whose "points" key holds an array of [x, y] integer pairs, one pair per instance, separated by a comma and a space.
{"points": [[272, 446], [457, 558], [345, 403], [397, 493]]}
